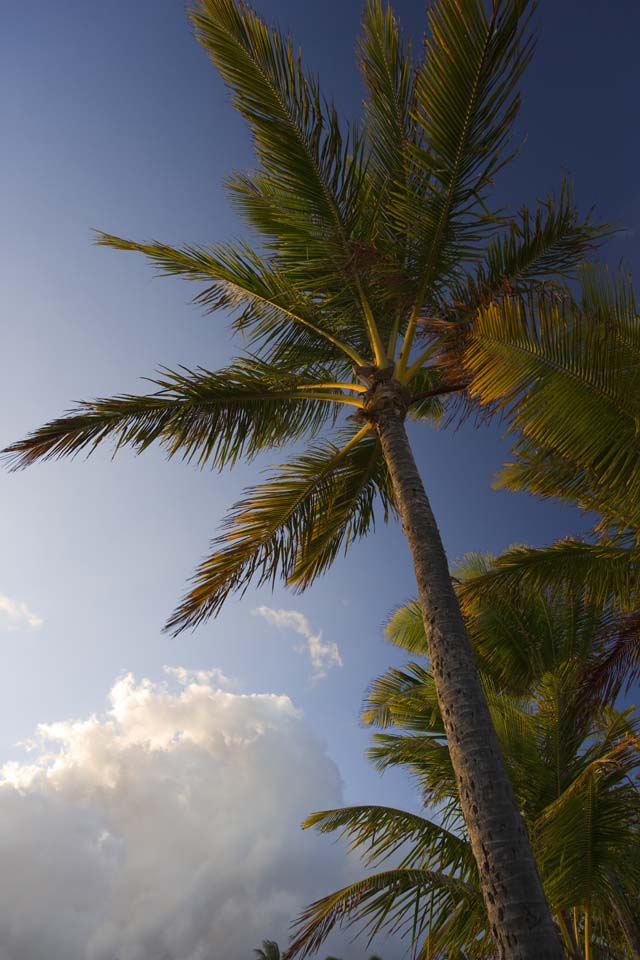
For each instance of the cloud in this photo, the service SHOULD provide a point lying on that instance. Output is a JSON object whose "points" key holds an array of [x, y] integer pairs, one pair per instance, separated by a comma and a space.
{"points": [[166, 829], [17, 615], [323, 655], [186, 677]]}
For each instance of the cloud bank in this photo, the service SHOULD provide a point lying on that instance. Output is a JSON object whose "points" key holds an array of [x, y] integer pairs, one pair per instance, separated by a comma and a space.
{"points": [[322, 655], [167, 829]]}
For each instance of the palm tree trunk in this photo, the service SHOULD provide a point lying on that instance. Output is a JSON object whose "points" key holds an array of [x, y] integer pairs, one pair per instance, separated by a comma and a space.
{"points": [[518, 911]]}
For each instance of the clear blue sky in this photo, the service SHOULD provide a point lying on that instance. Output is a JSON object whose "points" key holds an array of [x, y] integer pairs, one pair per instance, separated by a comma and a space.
{"points": [[112, 117]]}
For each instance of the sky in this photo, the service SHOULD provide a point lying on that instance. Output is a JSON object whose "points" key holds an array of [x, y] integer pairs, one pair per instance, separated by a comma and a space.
{"points": [[113, 118]]}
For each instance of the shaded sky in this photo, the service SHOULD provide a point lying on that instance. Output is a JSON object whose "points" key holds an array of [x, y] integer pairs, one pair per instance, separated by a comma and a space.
{"points": [[112, 117]]}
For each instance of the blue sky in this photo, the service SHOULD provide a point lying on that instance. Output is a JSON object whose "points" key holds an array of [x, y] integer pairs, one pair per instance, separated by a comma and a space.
{"points": [[113, 118]]}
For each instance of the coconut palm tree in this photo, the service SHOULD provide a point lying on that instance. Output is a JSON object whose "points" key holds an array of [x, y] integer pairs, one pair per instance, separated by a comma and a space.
{"points": [[365, 232], [574, 771]]}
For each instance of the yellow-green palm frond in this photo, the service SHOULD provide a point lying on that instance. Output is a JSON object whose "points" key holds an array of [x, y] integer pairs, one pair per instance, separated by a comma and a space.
{"points": [[293, 525], [405, 628], [566, 376], [210, 418], [606, 575]]}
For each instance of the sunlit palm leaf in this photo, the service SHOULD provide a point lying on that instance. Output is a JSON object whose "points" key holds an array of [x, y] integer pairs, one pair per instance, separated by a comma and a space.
{"points": [[606, 574], [568, 377], [284, 527]]}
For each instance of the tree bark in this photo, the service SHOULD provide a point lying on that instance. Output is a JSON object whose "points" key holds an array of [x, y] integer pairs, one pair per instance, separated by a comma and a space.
{"points": [[519, 915]]}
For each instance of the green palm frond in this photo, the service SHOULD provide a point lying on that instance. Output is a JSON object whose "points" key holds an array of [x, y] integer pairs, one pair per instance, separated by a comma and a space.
{"points": [[605, 574], [618, 665], [567, 377], [309, 195], [394, 900], [405, 628], [269, 308], [403, 697], [390, 125], [546, 474], [297, 138], [293, 525], [380, 832], [467, 101], [589, 829], [542, 245], [210, 418]]}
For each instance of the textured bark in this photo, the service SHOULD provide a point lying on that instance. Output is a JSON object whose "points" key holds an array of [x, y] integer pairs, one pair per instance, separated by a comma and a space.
{"points": [[519, 915]]}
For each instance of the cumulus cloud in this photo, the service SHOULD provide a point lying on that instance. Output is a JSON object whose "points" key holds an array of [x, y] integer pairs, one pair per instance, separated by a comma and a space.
{"points": [[16, 615], [323, 655], [167, 829]]}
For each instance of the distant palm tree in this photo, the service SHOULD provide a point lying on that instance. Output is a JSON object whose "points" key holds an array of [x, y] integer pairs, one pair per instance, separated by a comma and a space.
{"points": [[271, 951], [372, 238], [268, 951], [573, 765]]}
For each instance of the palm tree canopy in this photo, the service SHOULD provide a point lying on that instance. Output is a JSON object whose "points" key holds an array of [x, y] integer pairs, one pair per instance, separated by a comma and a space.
{"points": [[373, 238], [574, 768]]}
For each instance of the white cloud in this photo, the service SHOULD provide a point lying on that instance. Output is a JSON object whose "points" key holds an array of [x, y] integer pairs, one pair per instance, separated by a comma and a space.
{"points": [[323, 655], [166, 830], [17, 615], [186, 677]]}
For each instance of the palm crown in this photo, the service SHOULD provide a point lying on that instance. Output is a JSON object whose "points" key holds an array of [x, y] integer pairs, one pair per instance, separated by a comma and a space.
{"points": [[370, 237]]}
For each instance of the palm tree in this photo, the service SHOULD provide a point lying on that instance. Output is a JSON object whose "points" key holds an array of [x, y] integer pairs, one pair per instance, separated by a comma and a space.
{"points": [[366, 233], [271, 951], [574, 772], [570, 392], [268, 951]]}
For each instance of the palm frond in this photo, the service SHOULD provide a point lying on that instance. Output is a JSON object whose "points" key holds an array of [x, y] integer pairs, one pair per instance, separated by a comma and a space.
{"points": [[618, 665], [546, 474], [267, 304], [405, 628], [605, 574], [543, 245], [567, 377], [210, 418], [390, 125], [467, 101], [307, 198], [378, 833], [390, 901], [284, 527]]}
